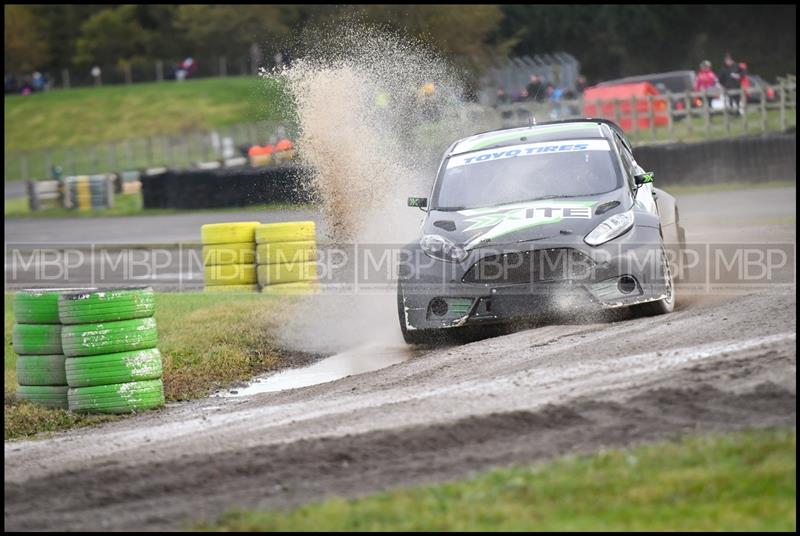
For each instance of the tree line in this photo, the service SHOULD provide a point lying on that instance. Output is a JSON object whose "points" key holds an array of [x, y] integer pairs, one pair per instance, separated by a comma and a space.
{"points": [[609, 40]]}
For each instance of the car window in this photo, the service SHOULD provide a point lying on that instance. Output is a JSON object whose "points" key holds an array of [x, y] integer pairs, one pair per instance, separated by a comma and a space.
{"points": [[527, 172], [628, 163]]}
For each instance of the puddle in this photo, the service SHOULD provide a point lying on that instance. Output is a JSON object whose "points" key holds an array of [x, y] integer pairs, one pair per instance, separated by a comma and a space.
{"points": [[357, 361]]}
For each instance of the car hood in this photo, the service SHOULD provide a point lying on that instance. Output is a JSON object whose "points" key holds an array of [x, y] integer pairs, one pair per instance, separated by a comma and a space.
{"points": [[525, 221]]}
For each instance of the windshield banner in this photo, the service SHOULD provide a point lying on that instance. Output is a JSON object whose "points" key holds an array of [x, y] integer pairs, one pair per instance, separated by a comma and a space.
{"points": [[530, 149]]}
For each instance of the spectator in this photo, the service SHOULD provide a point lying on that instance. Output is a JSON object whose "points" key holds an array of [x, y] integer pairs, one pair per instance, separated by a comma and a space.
{"points": [[731, 80], [745, 81], [706, 79], [534, 89], [38, 81], [96, 73], [580, 84], [11, 84], [502, 97]]}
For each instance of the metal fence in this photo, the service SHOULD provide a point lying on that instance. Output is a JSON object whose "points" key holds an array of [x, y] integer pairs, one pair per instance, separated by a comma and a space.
{"points": [[176, 151], [667, 117]]}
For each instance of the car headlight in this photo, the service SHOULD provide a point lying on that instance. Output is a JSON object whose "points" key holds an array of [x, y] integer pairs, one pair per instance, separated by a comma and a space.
{"points": [[611, 228], [442, 248]]}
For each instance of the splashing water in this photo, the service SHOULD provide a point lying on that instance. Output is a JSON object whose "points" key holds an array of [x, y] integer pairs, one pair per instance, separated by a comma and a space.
{"points": [[374, 113]]}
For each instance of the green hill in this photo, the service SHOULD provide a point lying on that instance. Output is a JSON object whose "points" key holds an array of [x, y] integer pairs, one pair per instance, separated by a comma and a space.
{"points": [[113, 113]]}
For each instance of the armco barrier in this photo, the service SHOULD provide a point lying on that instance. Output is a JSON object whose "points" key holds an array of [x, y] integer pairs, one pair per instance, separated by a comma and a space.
{"points": [[762, 158], [232, 187]]}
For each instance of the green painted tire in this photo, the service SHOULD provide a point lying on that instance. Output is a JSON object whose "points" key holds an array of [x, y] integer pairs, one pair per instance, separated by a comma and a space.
{"points": [[36, 339], [117, 398], [51, 397], [106, 305], [109, 337], [41, 370], [121, 367], [38, 306]]}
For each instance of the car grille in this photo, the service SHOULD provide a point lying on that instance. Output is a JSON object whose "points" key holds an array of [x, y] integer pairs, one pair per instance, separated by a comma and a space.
{"points": [[529, 267]]}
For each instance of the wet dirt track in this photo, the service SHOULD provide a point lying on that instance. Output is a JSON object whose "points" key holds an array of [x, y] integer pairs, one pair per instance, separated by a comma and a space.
{"points": [[719, 362]]}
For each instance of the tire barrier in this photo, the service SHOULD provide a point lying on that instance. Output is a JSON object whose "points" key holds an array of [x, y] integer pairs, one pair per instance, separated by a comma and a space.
{"points": [[112, 363], [88, 192], [36, 339], [226, 187], [286, 255], [44, 195], [229, 254]]}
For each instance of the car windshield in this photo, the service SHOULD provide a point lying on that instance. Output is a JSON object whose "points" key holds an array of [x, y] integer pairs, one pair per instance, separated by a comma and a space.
{"points": [[526, 173]]}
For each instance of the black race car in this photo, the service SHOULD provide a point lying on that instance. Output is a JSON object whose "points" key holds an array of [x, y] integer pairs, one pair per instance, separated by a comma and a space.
{"points": [[552, 217]]}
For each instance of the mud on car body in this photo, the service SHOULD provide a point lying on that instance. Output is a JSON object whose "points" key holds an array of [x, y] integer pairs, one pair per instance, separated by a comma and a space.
{"points": [[557, 216]]}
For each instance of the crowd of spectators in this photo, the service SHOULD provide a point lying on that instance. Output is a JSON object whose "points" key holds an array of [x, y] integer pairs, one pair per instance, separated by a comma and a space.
{"points": [[27, 84]]}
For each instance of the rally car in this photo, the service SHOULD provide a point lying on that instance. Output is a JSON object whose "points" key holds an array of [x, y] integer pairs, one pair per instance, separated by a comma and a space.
{"points": [[524, 221]]}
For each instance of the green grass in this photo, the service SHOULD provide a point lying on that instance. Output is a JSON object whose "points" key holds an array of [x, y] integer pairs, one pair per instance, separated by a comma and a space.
{"points": [[696, 128], [119, 112], [207, 341], [737, 482]]}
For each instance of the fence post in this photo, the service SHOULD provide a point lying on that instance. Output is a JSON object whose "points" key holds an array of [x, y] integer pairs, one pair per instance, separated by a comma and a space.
{"points": [[617, 113], [652, 116], [725, 119], [223, 66], [634, 116], [689, 126], [669, 114], [65, 78], [128, 73], [707, 113], [33, 196], [763, 106], [744, 111], [159, 71], [783, 105]]}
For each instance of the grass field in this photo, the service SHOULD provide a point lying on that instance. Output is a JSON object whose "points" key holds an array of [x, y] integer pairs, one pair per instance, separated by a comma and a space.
{"points": [[112, 113], [206, 341], [737, 482]]}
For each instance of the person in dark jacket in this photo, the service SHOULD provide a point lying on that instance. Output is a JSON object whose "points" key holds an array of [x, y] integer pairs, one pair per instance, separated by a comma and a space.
{"points": [[731, 79]]}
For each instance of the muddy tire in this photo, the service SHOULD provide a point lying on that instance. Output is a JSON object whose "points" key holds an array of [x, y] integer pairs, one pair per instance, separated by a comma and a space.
{"points": [[106, 305], [230, 288], [121, 367], [38, 306], [286, 252], [51, 397], [664, 305], [109, 337], [117, 398], [271, 274], [230, 274], [228, 233], [41, 370], [36, 339], [293, 231], [241, 253]]}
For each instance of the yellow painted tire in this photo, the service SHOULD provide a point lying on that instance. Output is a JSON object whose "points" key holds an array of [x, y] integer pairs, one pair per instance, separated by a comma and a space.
{"points": [[298, 287], [291, 231], [239, 253], [271, 274], [228, 233], [230, 274], [231, 288], [286, 252]]}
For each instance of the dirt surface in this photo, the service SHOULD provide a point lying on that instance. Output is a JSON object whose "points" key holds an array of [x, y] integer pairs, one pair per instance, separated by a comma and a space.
{"points": [[719, 362]]}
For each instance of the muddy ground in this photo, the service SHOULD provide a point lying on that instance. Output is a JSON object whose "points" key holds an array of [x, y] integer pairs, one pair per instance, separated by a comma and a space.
{"points": [[720, 362]]}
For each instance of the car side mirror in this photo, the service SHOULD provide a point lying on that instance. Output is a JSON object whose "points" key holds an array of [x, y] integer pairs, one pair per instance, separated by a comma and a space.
{"points": [[418, 202], [644, 178]]}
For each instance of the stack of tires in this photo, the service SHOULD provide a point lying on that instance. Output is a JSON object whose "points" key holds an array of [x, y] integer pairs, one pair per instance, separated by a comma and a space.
{"points": [[109, 338], [286, 255], [229, 254], [36, 338]]}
